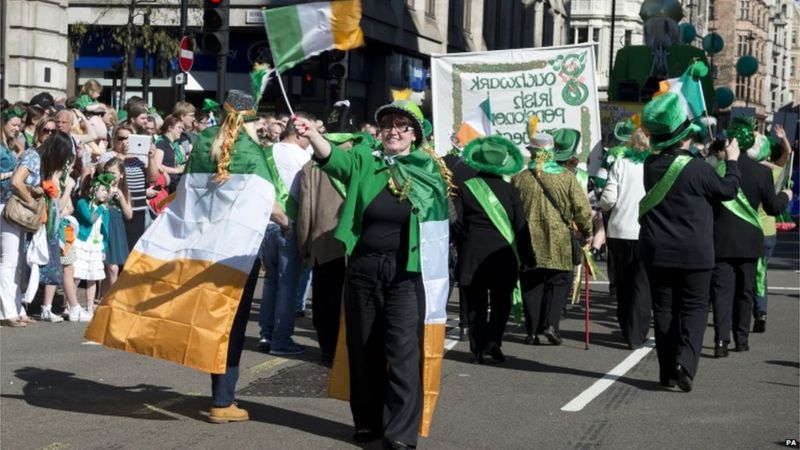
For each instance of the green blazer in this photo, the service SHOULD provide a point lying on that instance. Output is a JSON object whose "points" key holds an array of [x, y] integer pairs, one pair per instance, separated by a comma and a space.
{"points": [[365, 176]]}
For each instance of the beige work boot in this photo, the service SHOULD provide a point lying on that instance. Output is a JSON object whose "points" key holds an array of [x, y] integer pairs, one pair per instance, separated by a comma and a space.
{"points": [[230, 413]]}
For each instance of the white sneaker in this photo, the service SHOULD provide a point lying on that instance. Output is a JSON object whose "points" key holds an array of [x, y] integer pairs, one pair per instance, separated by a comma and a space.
{"points": [[48, 316], [78, 314]]}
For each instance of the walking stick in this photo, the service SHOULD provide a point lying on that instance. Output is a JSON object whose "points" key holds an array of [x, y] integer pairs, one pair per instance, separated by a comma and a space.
{"points": [[586, 294]]}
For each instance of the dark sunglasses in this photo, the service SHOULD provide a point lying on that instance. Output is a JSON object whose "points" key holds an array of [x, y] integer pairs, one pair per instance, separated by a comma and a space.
{"points": [[122, 138], [48, 130]]}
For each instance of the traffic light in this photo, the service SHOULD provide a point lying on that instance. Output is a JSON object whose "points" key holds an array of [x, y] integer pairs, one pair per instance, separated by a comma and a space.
{"points": [[308, 85], [216, 27], [337, 69]]}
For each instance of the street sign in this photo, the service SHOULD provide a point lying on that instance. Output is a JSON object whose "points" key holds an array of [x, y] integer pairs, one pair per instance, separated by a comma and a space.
{"points": [[186, 55]]}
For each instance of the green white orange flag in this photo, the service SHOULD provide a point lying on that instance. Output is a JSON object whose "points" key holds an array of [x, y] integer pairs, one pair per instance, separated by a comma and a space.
{"points": [[182, 283], [299, 32], [689, 89], [477, 123]]}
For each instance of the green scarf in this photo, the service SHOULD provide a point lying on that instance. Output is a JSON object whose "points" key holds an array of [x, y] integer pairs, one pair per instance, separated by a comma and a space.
{"points": [[655, 195], [499, 217], [179, 156], [427, 186], [636, 156], [742, 209]]}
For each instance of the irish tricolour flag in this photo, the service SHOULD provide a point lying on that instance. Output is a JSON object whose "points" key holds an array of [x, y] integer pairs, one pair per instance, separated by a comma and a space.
{"points": [[182, 283], [299, 32], [689, 89], [477, 123]]}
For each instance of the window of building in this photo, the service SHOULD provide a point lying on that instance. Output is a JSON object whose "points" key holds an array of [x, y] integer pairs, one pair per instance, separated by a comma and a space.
{"points": [[741, 45], [744, 9], [628, 37], [582, 35], [467, 14], [793, 67], [711, 15], [430, 8], [740, 87], [596, 39]]}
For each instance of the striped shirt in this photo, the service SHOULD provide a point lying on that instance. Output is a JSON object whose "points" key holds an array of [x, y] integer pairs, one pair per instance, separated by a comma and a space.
{"points": [[135, 172]]}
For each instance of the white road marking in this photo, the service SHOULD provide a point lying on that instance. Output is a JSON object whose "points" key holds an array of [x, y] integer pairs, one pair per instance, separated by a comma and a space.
{"points": [[89, 343], [771, 288], [583, 399]]}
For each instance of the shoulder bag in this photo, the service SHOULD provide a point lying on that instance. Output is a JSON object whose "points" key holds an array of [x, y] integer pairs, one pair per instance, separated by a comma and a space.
{"points": [[577, 251]]}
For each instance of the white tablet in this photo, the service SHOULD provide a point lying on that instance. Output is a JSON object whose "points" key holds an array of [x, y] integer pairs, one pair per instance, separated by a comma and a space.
{"points": [[139, 146]]}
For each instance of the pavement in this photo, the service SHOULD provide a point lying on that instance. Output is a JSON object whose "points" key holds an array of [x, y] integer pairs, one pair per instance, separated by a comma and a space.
{"points": [[58, 391]]}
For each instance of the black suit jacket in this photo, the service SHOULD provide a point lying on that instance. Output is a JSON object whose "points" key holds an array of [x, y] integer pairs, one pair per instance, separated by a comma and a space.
{"points": [[735, 238]]}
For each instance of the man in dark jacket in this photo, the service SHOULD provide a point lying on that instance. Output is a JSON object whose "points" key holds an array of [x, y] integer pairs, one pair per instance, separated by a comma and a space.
{"points": [[739, 243]]}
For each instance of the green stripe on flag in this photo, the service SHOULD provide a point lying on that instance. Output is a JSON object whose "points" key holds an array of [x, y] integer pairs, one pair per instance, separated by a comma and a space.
{"points": [[248, 158], [487, 109], [285, 36]]}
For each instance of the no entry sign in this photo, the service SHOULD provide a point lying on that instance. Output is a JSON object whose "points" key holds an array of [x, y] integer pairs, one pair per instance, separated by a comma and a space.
{"points": [[186, 54]]}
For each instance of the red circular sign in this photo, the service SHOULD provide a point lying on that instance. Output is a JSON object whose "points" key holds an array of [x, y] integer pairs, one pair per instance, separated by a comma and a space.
{"points": [[186, 54]]}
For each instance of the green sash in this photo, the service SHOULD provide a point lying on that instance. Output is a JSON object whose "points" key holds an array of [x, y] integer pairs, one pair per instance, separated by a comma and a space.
{"points": [[742, 209], [339, 186], [287, 202], [499, 217], [655, 195]]}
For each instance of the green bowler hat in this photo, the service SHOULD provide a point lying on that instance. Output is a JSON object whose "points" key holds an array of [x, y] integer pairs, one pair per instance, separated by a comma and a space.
{"points": [[624, 130], [666, 121], [565, 142], [493, 154]]}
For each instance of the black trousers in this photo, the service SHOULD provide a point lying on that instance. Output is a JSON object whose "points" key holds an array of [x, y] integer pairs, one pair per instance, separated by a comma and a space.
{"points": [[326, 290], [633, 290], [544, 293], [680, 311], [732, 291], [486, 292], [384, 310]]}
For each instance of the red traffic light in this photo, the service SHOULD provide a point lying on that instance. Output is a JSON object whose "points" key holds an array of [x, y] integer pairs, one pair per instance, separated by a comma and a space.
{"points": [[308, 78], [215, 2]]}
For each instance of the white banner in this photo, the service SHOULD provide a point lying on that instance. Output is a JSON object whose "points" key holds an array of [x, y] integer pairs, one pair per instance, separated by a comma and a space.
{"points": [[557, 84]]}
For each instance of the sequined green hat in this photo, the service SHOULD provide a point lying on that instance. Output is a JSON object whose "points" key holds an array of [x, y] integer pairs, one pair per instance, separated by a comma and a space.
{"points": [[666, 121], [742, 129]]}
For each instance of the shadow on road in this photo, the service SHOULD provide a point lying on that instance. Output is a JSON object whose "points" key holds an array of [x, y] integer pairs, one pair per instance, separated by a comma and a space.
{"points": [[53, 389]]}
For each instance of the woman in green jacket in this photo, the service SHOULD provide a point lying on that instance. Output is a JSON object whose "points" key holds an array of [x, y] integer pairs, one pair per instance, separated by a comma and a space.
{"points": [[396, 206]]}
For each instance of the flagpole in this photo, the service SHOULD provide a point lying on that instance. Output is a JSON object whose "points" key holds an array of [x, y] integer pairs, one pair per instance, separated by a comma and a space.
{"points": [[283, 91]]}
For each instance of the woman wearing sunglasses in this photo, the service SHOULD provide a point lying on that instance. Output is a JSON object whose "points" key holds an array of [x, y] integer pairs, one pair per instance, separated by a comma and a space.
{"points": [[44, 129]]}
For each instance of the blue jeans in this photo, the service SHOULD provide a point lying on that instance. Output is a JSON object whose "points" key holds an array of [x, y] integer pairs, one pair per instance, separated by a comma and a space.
{"points": [[283, 265], [303, 283], [760, 303]]}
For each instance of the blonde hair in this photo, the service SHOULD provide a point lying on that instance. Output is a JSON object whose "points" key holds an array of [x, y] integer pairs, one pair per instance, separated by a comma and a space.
{"points": [[91, 86], [639, 140], [182, 108], [446, 174], [224, 140]]}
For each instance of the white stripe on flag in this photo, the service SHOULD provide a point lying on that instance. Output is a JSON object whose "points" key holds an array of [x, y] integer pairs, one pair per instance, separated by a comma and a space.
{"points": [[209, 221], [434, 240], [315, 22]]}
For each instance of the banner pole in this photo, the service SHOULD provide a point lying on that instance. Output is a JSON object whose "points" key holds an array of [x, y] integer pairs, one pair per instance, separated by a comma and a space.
{"points": [[283, 91], [586, 293]]}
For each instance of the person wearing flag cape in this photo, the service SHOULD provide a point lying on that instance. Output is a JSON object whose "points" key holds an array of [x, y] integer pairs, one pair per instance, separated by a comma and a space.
{"points": [[494, 243], [676, 238], [394, 226], [740, 270]]}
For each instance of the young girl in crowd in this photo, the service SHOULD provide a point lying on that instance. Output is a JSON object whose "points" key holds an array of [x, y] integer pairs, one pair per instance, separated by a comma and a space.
{"points": [[92, 242], [119, 210]]}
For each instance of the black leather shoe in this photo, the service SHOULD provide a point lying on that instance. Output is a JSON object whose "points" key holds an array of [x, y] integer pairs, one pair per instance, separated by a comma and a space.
{"points": [[532, 339], [742, 347], [552, 335], [397, 445], [682, 378], [366, 435], [476, 358], [495, 352], [760, 324], [668, 383], [721, 349]]}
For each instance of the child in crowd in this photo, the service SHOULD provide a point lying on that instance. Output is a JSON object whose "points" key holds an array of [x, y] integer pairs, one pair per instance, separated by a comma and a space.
{"points": [[119, 210], [92, 241]]}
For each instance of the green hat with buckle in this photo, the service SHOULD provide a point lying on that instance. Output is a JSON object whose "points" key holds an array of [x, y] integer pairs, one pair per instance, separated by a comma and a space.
{"points": [[624, 130], [493, 154], [665, 119], [406, 108], [565, 142]]}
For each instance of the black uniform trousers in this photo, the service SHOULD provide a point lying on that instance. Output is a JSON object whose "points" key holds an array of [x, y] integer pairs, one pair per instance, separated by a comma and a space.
{"points": [[544, 293], [732, 290], [489, 290], [384, 311], [680, 312], [633, 290], [326, 292]]}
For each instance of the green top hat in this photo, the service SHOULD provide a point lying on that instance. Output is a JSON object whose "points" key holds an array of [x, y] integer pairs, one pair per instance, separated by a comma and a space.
{"points": [[666, 121], [742, 129], [565, 142], [624, 130], [493, 154], [406, 108]]}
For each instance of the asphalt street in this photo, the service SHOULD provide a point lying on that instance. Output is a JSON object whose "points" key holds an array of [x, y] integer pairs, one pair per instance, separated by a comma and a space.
{"points": [[59, 392]]}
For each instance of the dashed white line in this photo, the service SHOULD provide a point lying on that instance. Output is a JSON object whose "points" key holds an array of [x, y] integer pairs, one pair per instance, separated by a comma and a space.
{"points": [[583, 399]]}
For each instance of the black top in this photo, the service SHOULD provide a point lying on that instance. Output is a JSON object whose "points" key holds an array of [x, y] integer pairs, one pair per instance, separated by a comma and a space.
{"points": [[461, 171], [135, 172], [735, 238], [384, 227], [169, 160], [679, 231], [482, 249]]}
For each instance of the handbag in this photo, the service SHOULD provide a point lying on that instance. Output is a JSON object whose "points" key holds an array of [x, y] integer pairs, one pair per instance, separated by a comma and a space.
{"points": [[577, 251], [20, 214]]}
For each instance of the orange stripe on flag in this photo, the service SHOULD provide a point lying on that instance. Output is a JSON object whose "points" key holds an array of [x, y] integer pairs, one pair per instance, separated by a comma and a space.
{"points": [[180, 311], [345, 24], [663, 88], [466, 133]]}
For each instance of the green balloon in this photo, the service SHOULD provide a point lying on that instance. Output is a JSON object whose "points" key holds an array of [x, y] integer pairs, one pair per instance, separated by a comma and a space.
{"points": [[688, 33], [746, 66], [713, 43], [723, 96]]}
